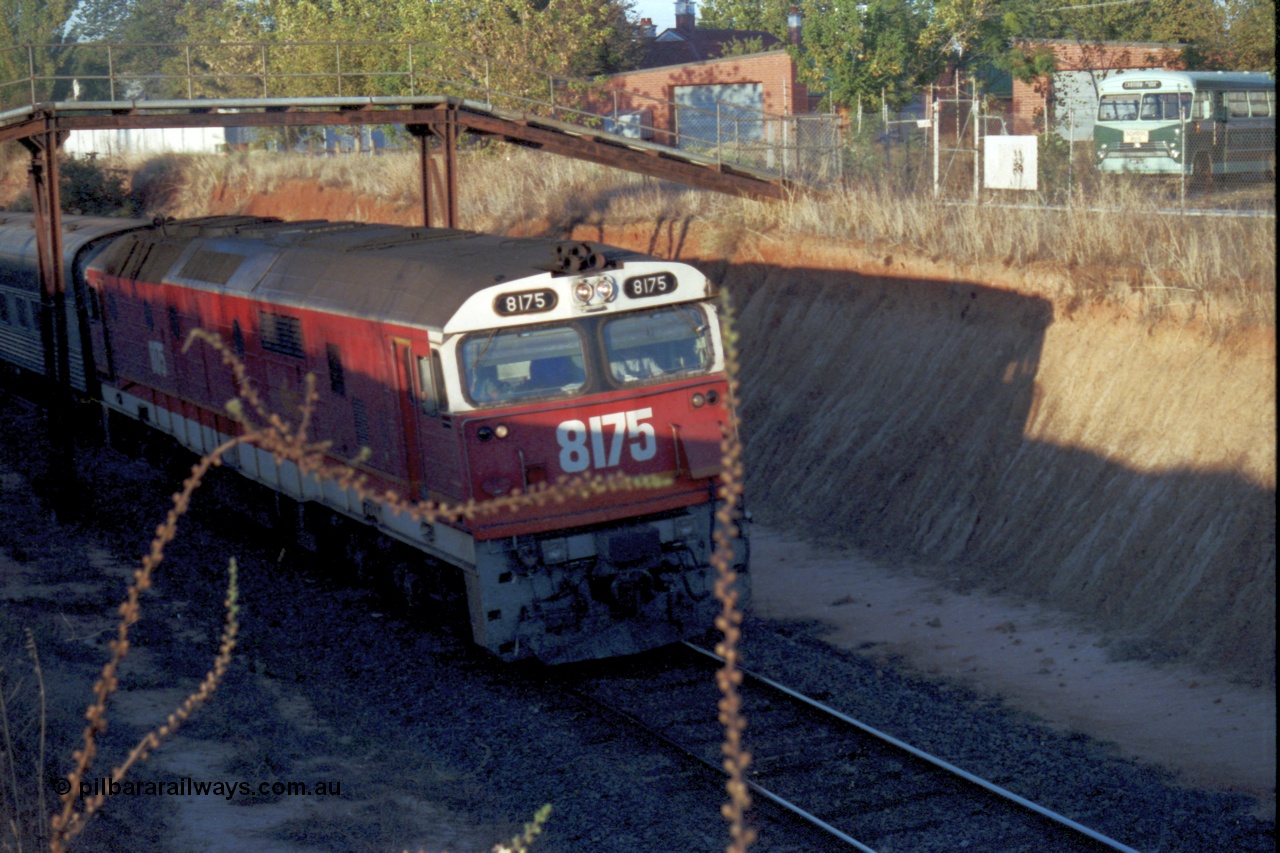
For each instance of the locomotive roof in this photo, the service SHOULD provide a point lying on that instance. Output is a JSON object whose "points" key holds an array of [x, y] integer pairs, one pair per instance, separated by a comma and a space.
{"points": [[416, 276]]}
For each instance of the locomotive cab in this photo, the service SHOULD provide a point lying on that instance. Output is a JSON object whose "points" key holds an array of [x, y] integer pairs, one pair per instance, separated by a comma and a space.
{"points": [[605, 386]]}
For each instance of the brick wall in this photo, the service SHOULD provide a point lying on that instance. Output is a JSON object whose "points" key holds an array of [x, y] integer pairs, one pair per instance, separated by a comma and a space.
{"points": [[653, 88]]}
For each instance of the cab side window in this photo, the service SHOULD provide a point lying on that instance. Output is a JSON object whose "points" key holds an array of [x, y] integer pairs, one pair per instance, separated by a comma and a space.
{"points": [[431, 391]]}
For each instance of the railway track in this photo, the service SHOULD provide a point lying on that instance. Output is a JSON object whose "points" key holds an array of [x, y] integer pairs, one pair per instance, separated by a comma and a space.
{"points": [[863, 789]]}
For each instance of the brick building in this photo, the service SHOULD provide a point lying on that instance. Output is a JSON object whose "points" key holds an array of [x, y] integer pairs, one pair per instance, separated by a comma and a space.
{"points": [[686, 89], [1074, 86]]}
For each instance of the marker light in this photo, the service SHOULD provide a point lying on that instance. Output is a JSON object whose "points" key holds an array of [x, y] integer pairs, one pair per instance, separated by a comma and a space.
{"points": [[501, 431]]}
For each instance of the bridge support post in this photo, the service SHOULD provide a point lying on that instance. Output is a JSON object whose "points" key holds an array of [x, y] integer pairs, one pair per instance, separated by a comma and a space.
{"points": [[439, 180], [47, 206], [46, 203]]}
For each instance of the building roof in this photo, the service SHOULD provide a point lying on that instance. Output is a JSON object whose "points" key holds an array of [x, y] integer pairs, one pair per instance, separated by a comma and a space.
{"points": [[676, 46]]}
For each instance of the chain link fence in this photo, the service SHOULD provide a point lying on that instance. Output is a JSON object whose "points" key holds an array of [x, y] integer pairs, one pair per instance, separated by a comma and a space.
{"points": [[958, 147]]}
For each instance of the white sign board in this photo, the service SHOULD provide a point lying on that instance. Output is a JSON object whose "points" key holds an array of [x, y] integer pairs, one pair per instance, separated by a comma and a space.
{"points": [[1009, 162], [110, 142]]}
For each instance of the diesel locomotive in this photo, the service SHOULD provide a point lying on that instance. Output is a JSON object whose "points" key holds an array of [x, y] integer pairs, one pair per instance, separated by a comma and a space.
{"points": [[467, 366]]}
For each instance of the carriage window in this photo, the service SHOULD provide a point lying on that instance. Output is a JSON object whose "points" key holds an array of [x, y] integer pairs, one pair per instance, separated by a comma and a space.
{"points": [[237, 338], [1238, 104], [1259, 104], [664, 343], [544, 361], [4, 309], [22, 312]]}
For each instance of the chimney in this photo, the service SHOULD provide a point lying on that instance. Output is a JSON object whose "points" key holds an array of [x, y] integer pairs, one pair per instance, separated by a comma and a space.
{"points": [[647, 28], [685, 11], [794, 20]]}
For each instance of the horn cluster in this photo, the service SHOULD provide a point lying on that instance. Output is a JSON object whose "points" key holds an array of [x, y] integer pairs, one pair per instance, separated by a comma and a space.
{"points": [[578, 257]]}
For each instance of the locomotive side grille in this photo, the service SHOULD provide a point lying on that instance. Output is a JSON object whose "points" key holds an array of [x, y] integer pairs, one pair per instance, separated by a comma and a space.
{"points": [[362, 421], [152, 265], [215, 267], [281, 334]]}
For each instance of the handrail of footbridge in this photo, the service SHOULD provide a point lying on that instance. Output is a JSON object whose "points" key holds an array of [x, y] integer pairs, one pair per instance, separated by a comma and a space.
{"points": [[97, 85]]}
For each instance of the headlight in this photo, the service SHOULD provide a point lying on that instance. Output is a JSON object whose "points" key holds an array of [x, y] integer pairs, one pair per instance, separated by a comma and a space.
{"points": [[596, 291]]}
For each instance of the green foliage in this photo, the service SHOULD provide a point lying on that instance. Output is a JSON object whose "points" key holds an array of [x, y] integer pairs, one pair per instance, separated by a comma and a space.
{"points": [[1251, 35], [88, 188], [767, 15], [866, 50], [742, 47]]}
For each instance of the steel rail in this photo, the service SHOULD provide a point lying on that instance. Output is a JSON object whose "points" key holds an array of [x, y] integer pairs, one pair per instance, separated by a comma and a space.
{"points": [[757, 788], [926, 757]]}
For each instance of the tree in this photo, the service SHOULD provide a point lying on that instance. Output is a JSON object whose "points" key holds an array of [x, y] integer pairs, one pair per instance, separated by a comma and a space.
{"points": [[1251, 35], [868, 50], [766, 15], [31, 22]]}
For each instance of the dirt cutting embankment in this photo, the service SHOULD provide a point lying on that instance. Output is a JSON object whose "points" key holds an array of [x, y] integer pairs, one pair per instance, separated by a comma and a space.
{"points": [[1089, 460], [973, 425]]}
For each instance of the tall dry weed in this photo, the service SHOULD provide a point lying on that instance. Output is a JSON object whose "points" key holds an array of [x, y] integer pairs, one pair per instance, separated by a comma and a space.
{"points": [[289, 440]]}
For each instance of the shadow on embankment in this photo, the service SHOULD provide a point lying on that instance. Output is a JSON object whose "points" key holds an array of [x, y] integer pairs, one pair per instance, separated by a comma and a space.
{"points": [[893, 414]]}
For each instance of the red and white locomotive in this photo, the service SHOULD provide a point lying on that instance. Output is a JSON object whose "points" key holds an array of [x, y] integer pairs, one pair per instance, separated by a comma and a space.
{"points": [[469, 365]]}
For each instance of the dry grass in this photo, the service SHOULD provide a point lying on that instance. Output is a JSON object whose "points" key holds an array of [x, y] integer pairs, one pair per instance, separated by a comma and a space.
{"points": [[1125, 246]]}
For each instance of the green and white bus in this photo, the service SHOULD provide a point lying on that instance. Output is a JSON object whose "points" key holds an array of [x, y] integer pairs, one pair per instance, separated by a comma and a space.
{"points": [[1200, 123]]}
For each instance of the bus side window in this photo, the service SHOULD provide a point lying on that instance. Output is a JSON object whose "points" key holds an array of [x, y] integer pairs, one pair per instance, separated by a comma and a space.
{"points": [[1258, 105], [1203, 108], [1238, 104]]}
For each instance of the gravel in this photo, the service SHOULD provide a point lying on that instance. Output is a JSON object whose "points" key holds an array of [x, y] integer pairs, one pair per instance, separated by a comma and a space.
{"points": [[436, 745]]}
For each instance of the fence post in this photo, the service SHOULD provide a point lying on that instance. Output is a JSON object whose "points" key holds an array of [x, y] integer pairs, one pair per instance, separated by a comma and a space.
{"points": [[976, 116], [31, 70], [111, 72], [1182, 172], [937, 142], [186, 50], [719, 135], [1071, 152], [264, 70]]}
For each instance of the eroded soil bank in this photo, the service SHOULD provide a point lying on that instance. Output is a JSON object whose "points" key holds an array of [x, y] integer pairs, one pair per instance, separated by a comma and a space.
{"points": [[992, 433], [973, 423]]}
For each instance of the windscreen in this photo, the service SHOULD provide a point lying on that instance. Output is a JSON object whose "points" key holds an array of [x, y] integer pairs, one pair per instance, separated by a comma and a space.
{"points": [[1152, 106], [647, 346], [518, 364]]}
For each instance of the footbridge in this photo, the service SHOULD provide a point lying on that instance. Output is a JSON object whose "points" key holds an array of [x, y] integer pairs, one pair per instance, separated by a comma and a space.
{"points": [[49, 91]]}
